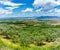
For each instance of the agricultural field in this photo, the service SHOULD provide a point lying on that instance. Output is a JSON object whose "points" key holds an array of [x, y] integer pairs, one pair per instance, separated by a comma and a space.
{"points": [[29, 35]]}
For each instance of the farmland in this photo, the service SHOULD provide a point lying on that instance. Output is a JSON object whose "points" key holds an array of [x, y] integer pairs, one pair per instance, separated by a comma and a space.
{"points": [[29, 35]]}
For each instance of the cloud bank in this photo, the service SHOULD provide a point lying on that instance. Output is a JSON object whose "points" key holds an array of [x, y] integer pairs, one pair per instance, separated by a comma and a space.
{"points": [[47, 6]]}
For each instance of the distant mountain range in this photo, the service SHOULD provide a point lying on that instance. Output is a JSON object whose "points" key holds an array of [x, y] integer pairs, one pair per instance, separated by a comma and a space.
{"points": [[32, 18]]}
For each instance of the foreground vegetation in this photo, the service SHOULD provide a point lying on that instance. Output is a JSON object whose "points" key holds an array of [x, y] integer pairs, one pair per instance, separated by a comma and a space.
{"points": [[29, 35]]}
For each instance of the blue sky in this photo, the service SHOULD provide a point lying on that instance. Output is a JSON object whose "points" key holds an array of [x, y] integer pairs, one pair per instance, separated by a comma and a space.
{"points": [[29, 8]]}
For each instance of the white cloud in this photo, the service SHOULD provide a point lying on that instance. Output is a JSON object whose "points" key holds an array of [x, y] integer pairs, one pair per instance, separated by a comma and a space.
{"points": [[10, 6], [47, 7], [52, 12], [46, 4], [5, 12], [57, 10], [38, 10], [43, 2], [27, 10], [9, 3]]}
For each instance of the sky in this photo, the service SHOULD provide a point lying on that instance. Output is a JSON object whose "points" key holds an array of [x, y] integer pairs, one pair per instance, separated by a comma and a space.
{"points": [[29, 8]]}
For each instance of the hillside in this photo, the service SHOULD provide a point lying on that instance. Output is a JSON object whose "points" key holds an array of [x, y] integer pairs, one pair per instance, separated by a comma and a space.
{"points": [[29, 35]]}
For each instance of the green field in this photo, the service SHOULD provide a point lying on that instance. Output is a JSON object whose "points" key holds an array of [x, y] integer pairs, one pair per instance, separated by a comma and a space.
{"points": [[30, 35]]}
